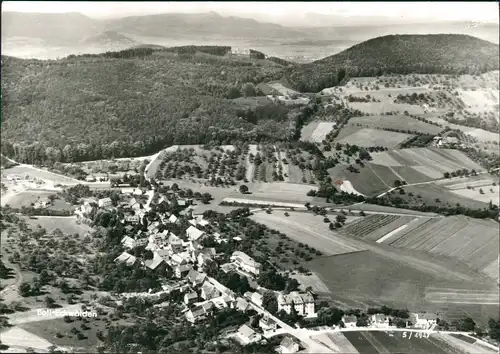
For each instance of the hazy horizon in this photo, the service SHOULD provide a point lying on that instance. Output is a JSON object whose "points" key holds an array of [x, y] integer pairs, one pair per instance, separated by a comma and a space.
{"points": [[285, 13]]}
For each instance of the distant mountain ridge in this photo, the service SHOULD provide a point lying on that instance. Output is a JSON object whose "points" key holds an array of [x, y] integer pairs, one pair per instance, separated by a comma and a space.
{"points": [[66, 28]]}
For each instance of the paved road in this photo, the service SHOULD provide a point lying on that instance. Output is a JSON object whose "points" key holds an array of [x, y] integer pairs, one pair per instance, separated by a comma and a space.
{"points": [[304, 334], [312, 346]]}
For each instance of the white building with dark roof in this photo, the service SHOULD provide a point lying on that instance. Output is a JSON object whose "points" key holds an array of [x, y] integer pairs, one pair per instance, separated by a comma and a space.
{"points": [[303, 303], [245, 262]]}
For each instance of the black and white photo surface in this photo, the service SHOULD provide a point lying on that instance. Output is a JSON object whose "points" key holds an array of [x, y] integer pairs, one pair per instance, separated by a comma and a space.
{"points": [[249, 177]]}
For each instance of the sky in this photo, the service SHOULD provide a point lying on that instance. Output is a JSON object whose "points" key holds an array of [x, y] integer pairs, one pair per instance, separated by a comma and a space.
{"points": [[409, 11]]}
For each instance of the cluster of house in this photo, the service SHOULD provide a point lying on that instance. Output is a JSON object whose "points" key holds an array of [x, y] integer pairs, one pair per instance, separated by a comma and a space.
{"points": [[446, 141], [42, 203], [105, 177], [134, 210], [421, 320], [247, 335]]}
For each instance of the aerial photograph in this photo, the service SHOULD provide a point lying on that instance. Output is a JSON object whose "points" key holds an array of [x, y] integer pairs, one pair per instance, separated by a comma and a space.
{"points": [[250, 177]]}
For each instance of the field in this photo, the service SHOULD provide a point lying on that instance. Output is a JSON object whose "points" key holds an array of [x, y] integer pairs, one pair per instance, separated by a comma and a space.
{"points": [[414, 165], [432, 163], [335, 341], [27, 198], [368, 278], [464, 344], [381, 209], [381, 108], [472, 241], [310, 280], [372, 137], [394, 342], [481, 188], [316, 131], [67, 225], [371, 180], [19, 340], [375, 227], [307, 228], [480, 134], [434, 194], [32, 172], [459, 296], [58, 332], [395, 122]]}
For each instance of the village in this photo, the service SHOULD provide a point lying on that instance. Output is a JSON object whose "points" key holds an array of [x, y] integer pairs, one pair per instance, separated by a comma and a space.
{"points": [[153, 241]]}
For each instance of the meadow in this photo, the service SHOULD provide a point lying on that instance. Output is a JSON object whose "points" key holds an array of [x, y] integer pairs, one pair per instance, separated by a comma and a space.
{"points": [[472, 241], [307, 228]]}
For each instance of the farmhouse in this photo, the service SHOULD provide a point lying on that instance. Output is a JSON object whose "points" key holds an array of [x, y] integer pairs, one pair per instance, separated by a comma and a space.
{"points": [[172, 219], [104, 202], [267, 324], [242, 304], [245, 262], [190, 297], [155, 262], [256, 298], [126, 258], [380, 321], [303, 303], [248, 335], [194, 234], [199, 312], [128, 242], [204, 255], [208, 291], [288, 345], [182, 270], [424, 320], [349, 321], [41, 203]]}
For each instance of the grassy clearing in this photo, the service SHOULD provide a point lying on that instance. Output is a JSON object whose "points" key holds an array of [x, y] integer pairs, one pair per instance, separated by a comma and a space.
{"points": [[369, 181], [27, 198], [380, 108], [68, 225], [395, 122], [481, 188], [373, 137], [479, 134], [311, 280], [32, 172], [490, 194], [316, 131], [433, 194], [410, 175], [307, 228], [434, 162]]}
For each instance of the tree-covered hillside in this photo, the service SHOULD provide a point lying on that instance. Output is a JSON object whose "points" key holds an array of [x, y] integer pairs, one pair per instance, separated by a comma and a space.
{"points": [[399, 54], [134, 103]]}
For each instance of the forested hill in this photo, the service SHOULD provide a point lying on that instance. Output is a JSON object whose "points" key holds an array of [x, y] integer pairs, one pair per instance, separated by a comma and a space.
{"points": [[399, 54], [133, 103]]}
